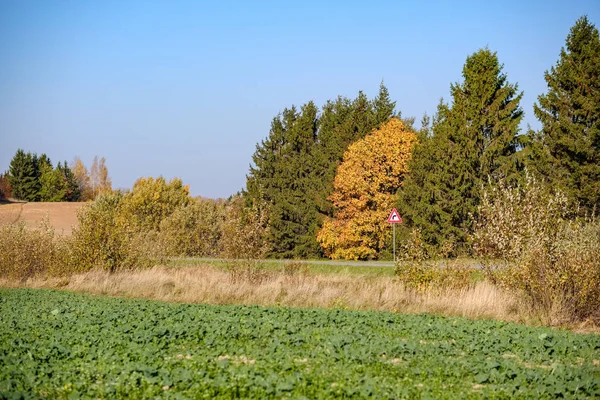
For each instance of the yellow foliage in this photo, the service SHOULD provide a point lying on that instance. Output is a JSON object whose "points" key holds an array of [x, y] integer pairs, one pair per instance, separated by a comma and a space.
{"points": [[154, 199], [371, 173]]}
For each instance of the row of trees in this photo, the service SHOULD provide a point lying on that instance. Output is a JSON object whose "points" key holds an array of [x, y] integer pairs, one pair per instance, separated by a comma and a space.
{"points": [[476, 139], [33, 178], [471, 140], [294, 168]]}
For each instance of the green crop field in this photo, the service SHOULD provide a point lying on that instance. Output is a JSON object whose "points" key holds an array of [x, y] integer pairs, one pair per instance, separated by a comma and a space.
{"points": [[64, 345]]}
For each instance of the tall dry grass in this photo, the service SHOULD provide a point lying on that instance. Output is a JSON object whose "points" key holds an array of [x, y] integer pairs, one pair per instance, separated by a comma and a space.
{"points": [[296, 288]]}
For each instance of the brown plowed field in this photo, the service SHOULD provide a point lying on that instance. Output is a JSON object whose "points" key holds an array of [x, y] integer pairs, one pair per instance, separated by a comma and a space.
{"points": [[62, 216]]}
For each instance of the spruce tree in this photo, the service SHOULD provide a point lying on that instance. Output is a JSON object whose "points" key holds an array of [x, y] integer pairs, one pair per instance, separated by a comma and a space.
{"points": [[567, 149], [293, 211], [71, 188], [280, 177], [473, 140], [23, 176], [383, 106]]}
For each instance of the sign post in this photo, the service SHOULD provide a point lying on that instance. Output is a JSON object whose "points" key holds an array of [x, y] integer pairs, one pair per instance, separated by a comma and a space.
{"points": [[394, 219]]}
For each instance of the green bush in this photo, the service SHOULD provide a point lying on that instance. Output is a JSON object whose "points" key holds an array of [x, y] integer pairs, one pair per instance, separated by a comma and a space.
{"points": [[510, 217], [561, 278], [194, 230], [135, 229]]}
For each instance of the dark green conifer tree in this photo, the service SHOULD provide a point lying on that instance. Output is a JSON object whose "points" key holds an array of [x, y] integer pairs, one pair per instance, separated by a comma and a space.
{"points": [[280, 176], [567, 149], [23, 176], [383, 106], [71, 188], [473, 140]]}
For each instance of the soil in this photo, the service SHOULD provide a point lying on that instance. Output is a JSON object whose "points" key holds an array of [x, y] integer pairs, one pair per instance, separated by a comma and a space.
{"points": [[62, 216]]}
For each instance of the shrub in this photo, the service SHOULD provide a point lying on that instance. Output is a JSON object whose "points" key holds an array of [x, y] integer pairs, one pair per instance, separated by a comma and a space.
{"points": [[5, 191], [552, 260], [511, 216], [26, 253], [293, 269], [124, 230], [106, 239], [194, 229], [560, 278], [244, 231], [152, 200], [417, 269], [429, 276]]}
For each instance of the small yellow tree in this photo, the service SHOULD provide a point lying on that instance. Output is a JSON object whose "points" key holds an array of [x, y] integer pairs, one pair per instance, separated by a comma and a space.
{"points": [[82, 177], [100, 181], [365, 187]]}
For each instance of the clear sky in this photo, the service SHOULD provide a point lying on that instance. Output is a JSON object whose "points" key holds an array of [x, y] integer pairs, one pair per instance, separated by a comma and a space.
{"points": [[187, 88]]}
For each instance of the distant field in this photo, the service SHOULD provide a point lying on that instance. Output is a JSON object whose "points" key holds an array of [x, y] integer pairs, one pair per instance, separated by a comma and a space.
{"points": [[64, 345], [62, 216]]}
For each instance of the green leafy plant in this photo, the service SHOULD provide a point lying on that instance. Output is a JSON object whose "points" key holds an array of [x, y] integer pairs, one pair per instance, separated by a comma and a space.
{"points": [[65, 345]]}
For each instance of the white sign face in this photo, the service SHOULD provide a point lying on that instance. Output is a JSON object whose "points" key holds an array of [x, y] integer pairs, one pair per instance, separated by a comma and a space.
{"points": [[394, 217]]}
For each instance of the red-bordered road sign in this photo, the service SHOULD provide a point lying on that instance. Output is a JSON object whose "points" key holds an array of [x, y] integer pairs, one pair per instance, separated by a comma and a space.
{"points": [[394, 217]]}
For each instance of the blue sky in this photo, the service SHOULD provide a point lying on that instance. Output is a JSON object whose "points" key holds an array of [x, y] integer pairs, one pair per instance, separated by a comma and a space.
{"points": [[187, 88]]}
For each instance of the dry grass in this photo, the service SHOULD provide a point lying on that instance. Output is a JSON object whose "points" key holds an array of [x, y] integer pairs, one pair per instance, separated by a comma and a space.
{"points": [[206, 284]]}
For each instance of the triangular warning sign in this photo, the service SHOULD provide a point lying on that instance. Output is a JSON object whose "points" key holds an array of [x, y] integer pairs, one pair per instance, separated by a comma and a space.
{"points": [[394, 217]]}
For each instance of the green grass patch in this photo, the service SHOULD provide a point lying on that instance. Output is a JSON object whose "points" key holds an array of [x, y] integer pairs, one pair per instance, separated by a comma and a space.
{"points": [[318, 267], [64, 345]]}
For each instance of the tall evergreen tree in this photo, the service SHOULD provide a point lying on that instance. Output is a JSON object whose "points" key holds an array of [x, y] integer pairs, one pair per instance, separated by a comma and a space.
{"points": [[280, 176], [23, 176], [567, 149], [473, 139], [383, 106], [71, 187]]}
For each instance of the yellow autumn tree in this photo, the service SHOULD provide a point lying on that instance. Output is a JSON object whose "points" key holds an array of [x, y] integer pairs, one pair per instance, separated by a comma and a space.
{"points": [[100, 181], [364, 190], [82, 177], [152, 200]]}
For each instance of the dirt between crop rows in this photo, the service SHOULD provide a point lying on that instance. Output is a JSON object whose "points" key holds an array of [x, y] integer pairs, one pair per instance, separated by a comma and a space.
{"points": [[62, 216]]}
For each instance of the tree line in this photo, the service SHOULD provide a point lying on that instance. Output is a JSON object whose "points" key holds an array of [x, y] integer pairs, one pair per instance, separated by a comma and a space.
{"points": [[322, 174], [294, 168], [34, 178]]}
